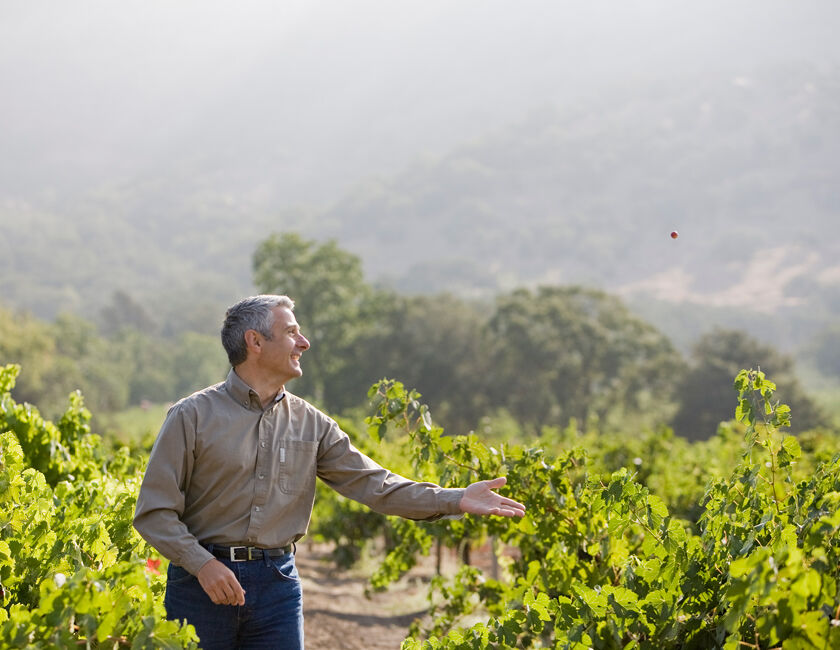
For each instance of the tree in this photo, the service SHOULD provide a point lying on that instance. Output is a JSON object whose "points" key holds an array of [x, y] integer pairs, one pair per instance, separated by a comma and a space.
{"points": [[125, 312], [824, 351], [198, 360], [330, 295], [571, 352], [706, 395], [90, 363], [435, 345], [58, 358], [27, 341], [360, 334]]}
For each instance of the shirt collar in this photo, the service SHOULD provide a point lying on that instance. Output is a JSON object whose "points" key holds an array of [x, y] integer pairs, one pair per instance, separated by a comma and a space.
{"points": [[242, 393]]}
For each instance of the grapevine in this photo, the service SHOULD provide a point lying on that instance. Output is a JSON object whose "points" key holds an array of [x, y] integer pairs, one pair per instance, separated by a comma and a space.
{"points": [[74, 572], [643, 541], [600, 561]]}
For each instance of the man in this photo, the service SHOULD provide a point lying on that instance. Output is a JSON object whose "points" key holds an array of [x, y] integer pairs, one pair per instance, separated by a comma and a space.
{"points": [[230, 486]]}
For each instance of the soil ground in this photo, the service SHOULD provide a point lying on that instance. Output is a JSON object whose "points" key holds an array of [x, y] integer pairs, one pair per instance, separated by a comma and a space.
{"points": [[338, 615]]}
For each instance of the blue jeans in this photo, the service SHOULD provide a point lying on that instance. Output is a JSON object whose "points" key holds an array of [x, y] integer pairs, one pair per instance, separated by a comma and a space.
{"points": [[272, 616]]}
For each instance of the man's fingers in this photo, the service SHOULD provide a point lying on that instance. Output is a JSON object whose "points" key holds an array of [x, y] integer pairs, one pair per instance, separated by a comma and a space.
{"points": [[239, 595], [507, 511], [233, 592], [513, 504], [479, 498], [228, 597], [504, 506], [507, 508], [218, 594], [221, 584], [228, 593]]}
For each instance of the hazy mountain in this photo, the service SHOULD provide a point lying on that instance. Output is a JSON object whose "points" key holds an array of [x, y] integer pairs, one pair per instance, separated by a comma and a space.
{"points": [[283, 103], [468, 146], [744, 168]]}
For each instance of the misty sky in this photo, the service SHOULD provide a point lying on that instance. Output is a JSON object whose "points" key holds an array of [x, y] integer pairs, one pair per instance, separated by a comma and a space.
{"points": [[308, 98]]}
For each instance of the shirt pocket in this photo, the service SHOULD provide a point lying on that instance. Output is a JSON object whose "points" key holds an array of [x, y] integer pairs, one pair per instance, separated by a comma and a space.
{"points": [[298, 466]]}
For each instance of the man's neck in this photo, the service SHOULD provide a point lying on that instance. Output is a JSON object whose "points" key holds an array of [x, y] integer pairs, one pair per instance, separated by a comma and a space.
{"points": [[266, 388]]}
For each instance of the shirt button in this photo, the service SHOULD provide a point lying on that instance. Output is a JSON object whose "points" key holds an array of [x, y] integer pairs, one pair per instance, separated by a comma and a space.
{"points": [[257, 508], [262, 444], [262, 475]]}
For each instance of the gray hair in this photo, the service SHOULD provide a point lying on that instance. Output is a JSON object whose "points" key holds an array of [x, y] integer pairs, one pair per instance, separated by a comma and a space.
{"points": [[254, 313]]}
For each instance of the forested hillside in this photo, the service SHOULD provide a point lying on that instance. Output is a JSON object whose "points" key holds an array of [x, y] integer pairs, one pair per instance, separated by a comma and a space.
{"points": [[743, 166], [589, 193], [530, 358]]}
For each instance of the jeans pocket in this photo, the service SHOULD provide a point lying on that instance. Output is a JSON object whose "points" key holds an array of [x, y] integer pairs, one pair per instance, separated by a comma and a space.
{"points": [[176, 575], [285, 568]]}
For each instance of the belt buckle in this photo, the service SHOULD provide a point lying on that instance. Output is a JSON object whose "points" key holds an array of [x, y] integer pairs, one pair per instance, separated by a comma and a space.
{"points": [[245, 549]]}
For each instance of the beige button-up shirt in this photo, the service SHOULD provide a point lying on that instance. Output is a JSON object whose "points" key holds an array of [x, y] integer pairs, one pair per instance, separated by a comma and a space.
{"points": [[224, 470]]}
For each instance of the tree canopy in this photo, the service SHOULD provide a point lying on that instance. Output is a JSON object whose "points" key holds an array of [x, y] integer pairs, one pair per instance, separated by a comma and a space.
{"points": [[705, 392], [571, 352]]}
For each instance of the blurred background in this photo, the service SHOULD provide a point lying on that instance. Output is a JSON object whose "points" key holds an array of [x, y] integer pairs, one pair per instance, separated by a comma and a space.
{"points": [[473, 197]]}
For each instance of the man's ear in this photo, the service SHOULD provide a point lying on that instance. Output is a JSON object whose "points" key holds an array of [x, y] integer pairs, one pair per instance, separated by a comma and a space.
{"points": [[253, 340]]}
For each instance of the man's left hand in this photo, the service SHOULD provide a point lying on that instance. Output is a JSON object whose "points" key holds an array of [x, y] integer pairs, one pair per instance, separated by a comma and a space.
{"points": [[479, 499]]}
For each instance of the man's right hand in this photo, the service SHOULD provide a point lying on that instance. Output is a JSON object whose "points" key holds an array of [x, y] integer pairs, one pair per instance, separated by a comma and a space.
{"points": [[220, 584]]}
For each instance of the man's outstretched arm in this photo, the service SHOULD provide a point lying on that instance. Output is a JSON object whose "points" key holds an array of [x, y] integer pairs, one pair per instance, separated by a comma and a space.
{"points": [[479, 499]]}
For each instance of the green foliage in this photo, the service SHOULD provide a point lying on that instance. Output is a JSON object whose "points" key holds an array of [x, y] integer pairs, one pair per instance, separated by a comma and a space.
{"points": [[602, 561], [705, 389], [72, 568], [570, 351], [644, 541], [130, 368], [575, 353], [413, 541], [823, 351], [58, 358], [329, 291], [565, 352], [125, 313], [57, 452], [135, 427], [435, 343]]}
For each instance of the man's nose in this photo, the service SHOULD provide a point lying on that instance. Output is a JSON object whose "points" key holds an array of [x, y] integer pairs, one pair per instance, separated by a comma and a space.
{"points": [[303, 342]]}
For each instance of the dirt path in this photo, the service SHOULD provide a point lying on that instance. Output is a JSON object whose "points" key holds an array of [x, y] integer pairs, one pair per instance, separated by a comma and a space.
{"points": [[338, 615]]}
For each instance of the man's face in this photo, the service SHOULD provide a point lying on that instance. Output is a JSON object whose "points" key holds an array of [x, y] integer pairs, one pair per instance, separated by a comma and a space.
{"points": [[281, 353]]}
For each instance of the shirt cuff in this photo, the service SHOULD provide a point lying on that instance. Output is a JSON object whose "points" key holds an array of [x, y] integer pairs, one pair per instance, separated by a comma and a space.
{"points": [[449, 501], [197, 560]]}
